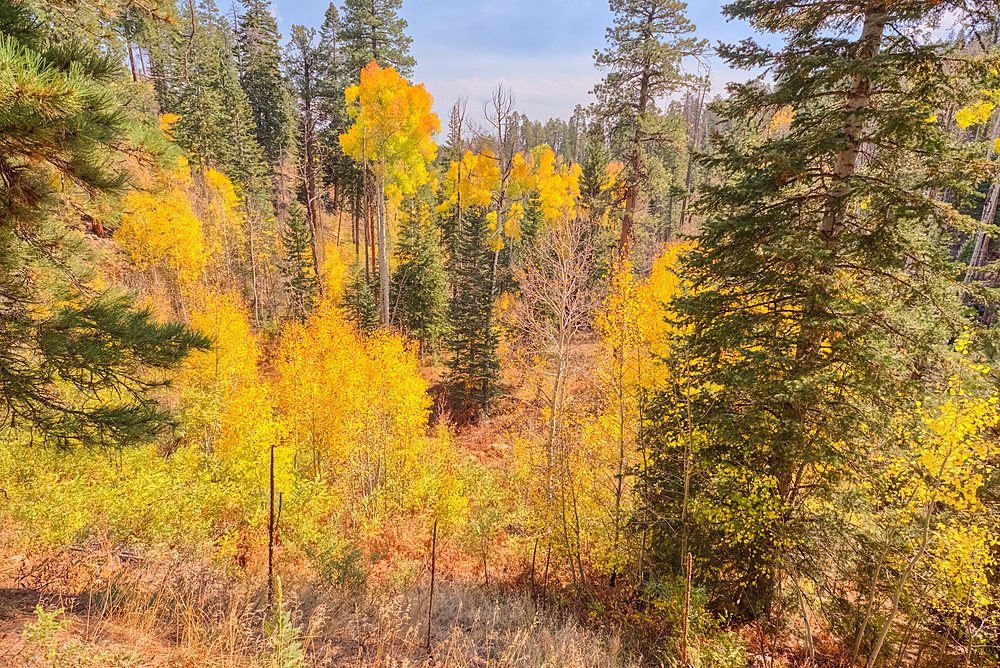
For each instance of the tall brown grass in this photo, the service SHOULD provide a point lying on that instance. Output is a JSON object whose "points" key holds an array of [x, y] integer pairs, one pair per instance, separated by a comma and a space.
{"points": [[181, 612]]}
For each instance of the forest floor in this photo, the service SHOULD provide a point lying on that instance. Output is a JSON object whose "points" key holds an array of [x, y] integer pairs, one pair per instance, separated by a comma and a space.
{"points": [[101, 608]]}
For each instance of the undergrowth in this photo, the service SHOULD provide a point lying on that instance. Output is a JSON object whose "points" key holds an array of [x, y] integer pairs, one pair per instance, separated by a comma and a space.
{"points": [[180, 613]]}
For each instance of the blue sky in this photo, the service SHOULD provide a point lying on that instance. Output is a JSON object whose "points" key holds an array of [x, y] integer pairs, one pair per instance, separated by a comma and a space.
{"points": [[542, 49]]}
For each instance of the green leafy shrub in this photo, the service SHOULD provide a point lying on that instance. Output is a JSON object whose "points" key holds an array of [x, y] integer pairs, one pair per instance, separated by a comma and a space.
{"points": [[339, 564]]}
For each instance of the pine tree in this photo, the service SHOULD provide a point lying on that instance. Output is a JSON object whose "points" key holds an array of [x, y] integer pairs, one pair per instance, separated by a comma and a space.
{"points": [[418, 290], [258, 59], [341, 175], [450, 216], [646, 48], [75, 363], [301, 282], [373, 32], [198, 81], [303, 66], [361, 305], [822, 296], [474, 367], [593, 179]]}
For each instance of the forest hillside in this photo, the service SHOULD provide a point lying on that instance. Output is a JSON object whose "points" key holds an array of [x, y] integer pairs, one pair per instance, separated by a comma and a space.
{"points": [[294, 372]]}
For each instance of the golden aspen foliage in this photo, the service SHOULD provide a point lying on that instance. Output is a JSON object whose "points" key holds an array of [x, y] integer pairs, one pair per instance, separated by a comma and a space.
{"points": [[318, 369], [166, 121], [932, 501], [558, 185], [634, 358], [979, 112], [208, 378], [392, 130], [161, 232], [780, 122], [534, 173], [634, 322], [479, 172], [522, 182], [622, 362], [249, 429], [229, 413], [393, 126], [225, 223], [614, 179], [334, 274], [356, 410], [926, 494]]}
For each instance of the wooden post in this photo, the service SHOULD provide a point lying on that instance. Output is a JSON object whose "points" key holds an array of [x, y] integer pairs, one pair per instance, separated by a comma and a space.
{"points": [[270, 538], [534, 552], [545, 574], [430, 602], [687, 613]]}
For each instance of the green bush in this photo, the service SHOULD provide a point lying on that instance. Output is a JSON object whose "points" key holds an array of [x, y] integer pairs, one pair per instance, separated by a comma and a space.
{"points": [[339, 564]]}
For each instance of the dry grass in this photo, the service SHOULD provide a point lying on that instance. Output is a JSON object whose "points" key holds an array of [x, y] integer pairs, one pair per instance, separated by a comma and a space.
{"points": [[470, 627], [149, 612]]}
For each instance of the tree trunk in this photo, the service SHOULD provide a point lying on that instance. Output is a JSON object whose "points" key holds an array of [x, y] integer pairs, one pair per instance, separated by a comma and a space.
{"points": [[365, 213], [858, 100], [372, 208], [982, 243], [131, 60], [383, 256], [688, 454], [635, 160], [310, 174], [700, 102], [355, 215], [621, 437], [253, 263], [625, 241]]}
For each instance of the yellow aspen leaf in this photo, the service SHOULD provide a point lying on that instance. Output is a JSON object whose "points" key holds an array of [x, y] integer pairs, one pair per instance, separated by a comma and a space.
{"points": [[393, 126], [974, 114], [163, 228], [780, 122], [166, 121]]}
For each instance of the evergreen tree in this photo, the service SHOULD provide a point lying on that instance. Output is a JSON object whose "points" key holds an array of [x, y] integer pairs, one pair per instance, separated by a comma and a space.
{"points": [[301, 282], [593, 176], [303, 66], [258, 58], [418, 290], [822, 295], [450, 220], [645, 51], [373, 32], [196, 79], [361, 305], [75, 364], [474, 368], [341, 176]]}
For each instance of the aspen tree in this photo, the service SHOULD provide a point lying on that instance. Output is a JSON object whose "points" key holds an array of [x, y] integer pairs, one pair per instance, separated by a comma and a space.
{"points": [[393, 125]]}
